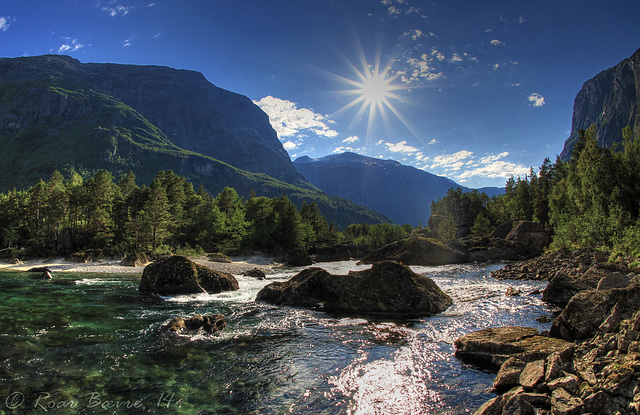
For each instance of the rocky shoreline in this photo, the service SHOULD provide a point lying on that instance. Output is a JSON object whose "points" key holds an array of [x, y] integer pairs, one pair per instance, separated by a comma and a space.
{"points": [[588, 363], [237, 266]]}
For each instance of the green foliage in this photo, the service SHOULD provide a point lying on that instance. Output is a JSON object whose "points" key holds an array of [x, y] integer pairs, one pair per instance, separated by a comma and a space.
{"points": [[459, 210], [377, 235], [447, 228], [592, 200], [481, 226], [61, 216]]}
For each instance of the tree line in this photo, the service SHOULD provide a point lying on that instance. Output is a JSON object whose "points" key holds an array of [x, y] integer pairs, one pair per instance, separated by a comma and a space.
{"points": [[64, 215], [591, 200]]}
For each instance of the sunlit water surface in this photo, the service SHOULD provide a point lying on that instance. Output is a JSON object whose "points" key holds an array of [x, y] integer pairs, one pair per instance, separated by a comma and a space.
{"points": [[89, 343]]}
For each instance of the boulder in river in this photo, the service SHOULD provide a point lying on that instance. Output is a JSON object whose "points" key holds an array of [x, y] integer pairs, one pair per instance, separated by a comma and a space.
{"points": [[179, 275], [340, 252], [490, 348], [298, 258], [417, 249], [255, 273], [389, 287], [209, 323]]}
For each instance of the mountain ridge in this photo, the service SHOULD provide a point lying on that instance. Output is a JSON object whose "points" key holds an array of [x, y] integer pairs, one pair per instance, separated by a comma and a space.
{"points": [[57, 113], [374, 182]]}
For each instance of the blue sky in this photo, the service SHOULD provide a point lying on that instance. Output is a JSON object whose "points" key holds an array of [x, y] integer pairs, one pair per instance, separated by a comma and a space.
{"points": [[472, 90]]}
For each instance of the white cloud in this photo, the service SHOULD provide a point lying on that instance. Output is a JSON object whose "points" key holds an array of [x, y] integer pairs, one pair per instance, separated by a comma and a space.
{"points": [[463, 165], [351, 139], [415, 34], [437, 55], [496, 42], [451, 161], [5, 22], [521, 20], [289, 145], [401, 147], [419, 69], [71, 46], [380, 142], [536, 99], [289, 121], [397, 7], [393, 11], [495, 170], [117, 10], [127, 42], [433, 141], [456, 58], [496, 66], [493, 157]]}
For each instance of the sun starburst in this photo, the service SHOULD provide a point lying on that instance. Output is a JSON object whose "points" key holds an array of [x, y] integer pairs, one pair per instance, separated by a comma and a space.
{"points": [[374, 89]]}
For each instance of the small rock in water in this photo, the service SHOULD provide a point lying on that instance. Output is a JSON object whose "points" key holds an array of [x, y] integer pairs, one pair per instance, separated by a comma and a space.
{"points": [[512, 292], [210, 324], [255, 273]]}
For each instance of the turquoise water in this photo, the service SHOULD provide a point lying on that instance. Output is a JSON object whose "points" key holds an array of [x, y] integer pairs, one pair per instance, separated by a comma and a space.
{"points": [[91, 344]]}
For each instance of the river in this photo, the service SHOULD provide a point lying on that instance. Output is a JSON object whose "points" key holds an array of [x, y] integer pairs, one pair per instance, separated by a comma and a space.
{"points": [[92, 344]]}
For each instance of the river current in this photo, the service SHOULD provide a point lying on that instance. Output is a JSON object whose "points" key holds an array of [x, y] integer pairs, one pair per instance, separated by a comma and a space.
{"points": [[92, 344]]}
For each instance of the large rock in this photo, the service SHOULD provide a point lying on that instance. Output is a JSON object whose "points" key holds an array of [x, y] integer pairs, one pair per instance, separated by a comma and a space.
{"points": [[593, 311], [564, 286], [388, 288], [340, 252], [529, 238], [298, 257], [491, 249], [179, 275], [416, 249], [490, 348]]}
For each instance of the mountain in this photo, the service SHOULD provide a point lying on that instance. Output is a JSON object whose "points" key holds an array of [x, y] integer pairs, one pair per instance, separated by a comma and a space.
{"points": [[610, 100], [403, 193], [57, 113]]}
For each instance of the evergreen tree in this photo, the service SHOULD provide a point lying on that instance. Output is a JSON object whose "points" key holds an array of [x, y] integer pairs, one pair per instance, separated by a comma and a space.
{"points": [[157, 212]]}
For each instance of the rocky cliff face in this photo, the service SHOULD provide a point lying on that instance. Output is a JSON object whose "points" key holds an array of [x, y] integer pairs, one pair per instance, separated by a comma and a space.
{"points": [[611, 100], [191, 113], [403, 193]]}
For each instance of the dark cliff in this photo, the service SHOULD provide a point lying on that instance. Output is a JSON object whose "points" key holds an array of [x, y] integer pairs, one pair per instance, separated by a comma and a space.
{"points": [[611, 101], [403, 193]]}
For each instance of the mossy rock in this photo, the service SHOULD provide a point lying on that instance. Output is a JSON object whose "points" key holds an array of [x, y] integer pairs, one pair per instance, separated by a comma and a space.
{"points": [[179, 275], [388, 288], [417, 249]]}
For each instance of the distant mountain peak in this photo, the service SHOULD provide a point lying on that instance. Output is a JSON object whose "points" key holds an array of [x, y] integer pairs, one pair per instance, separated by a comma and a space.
{"points": [[403, 193]]}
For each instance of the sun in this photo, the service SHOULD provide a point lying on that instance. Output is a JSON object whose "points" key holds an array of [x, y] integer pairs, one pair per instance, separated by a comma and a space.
{"points": [[375, 89]]}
